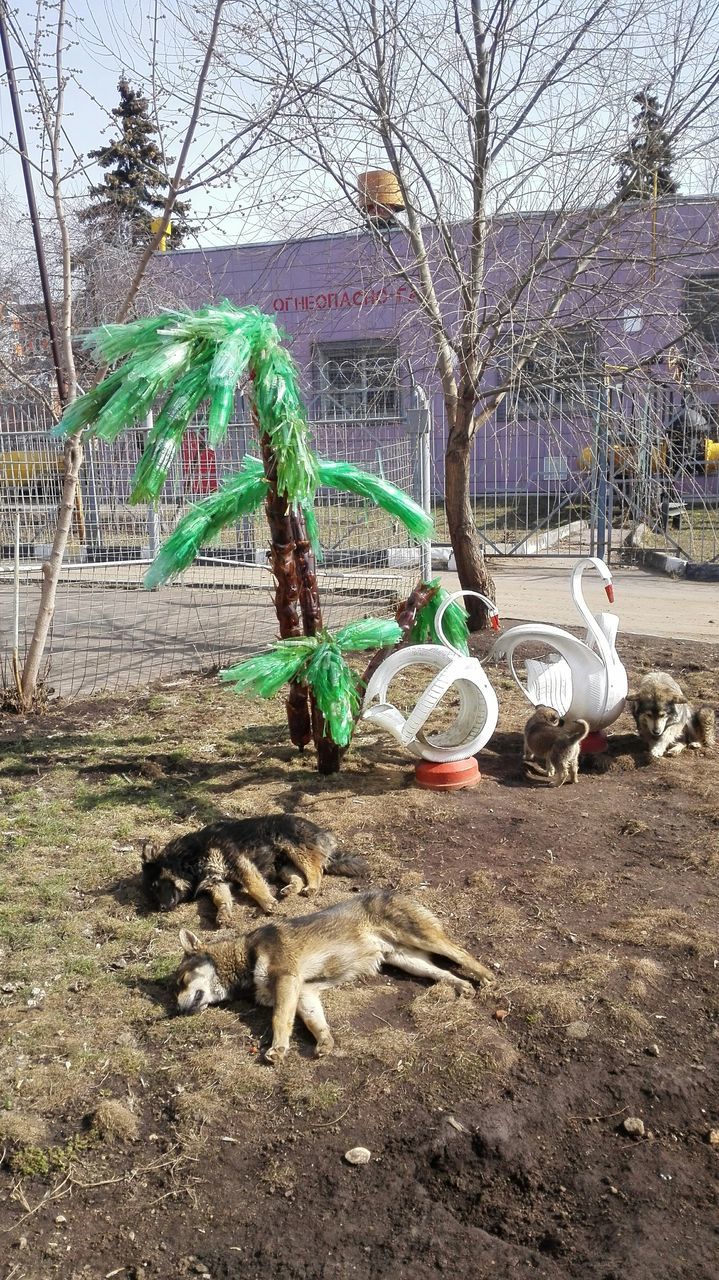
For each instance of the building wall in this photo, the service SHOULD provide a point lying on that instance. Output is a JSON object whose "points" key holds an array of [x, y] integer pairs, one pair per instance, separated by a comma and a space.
{"points": [[340, 289]]}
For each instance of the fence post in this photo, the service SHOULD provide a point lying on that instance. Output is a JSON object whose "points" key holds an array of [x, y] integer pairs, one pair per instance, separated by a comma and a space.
{"points": [[16, 605], [153, 515], [418, 417], [595, 491], [93, 529], [602, 467]]}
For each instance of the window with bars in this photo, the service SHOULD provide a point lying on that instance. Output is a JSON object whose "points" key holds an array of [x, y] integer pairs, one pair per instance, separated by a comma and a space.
{"points": [[357, 379], [561, 372], [702, 305]]}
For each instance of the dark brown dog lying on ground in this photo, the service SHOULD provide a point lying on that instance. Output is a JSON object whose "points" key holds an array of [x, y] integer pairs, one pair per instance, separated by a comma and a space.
{"points": [[254, 854]]}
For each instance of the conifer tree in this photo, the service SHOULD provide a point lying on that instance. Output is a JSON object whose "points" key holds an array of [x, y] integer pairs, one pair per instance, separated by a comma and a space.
{"points": [[134, 188], [645, 164]]}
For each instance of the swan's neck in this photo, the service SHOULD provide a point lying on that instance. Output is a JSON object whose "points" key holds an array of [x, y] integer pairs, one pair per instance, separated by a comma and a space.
{"points": [[593, 627]]}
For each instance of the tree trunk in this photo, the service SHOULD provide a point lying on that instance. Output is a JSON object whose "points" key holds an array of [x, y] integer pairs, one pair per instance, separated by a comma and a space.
{"points": [[51, 570], [472, 567], [287, 591], [329, 755], [297, 605], [405, 616]]}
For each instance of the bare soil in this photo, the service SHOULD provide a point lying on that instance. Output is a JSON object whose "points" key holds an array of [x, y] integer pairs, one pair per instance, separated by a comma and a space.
{"points": [[495, 1126]]}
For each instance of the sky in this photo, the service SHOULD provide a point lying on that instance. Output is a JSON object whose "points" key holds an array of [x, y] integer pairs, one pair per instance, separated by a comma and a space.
{"points": [[110, 39], [266, 198]]}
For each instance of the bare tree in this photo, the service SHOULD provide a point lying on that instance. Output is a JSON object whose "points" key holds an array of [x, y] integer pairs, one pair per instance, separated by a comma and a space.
{"points": [[484, 113], [193, 85]]}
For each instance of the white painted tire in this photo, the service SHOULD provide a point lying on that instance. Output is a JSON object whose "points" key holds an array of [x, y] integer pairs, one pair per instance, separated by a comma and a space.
{"points": [[476, 717]]}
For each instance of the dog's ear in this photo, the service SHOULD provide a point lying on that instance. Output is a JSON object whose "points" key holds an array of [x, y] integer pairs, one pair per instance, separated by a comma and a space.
{"points": [[632, 704], [190, 941]]}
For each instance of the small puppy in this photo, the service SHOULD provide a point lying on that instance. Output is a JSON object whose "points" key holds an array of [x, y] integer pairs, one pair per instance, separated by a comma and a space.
{"points": [[666, 722], [551, 747]]}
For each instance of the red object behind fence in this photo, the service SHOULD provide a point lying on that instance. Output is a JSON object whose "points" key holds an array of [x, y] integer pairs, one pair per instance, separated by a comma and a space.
{"points": [[199, 465]]}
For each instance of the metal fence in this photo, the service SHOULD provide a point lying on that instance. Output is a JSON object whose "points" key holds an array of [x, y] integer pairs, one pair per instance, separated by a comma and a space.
{"points": [[594, 467], [108, 633], [591, 468]]}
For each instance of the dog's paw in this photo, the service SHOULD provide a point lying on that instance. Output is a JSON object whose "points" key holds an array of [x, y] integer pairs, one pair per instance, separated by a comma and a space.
{"points": [[224, 919], [269, 907], [276, 1053], [676, 750], [485, 977], [465, 991], [324, 1046], [295, 884]]}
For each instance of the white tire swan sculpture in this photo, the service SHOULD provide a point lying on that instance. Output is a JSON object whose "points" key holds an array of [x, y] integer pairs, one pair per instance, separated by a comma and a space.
{"points": [[477, 714], [585, 680]]}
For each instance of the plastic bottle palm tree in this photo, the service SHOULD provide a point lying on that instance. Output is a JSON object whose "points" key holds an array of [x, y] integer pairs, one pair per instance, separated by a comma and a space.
{"points": [[183, 359]]}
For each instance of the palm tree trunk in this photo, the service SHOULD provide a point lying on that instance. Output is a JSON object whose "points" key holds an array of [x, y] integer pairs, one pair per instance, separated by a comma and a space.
{"points": [[329, 755], [297, 604], [287, 590], [406, 617]]}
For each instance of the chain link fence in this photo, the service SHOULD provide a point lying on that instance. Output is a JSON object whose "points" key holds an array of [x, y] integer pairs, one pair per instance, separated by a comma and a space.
{"points": [[110, 634], [594, 465]]}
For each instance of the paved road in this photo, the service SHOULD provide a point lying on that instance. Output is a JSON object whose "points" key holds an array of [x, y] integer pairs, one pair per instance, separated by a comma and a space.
{"points": [[646, 604], [109, 634]]}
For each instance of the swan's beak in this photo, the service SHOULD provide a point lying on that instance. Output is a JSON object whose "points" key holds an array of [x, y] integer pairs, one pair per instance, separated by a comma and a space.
{"points": [[610, 592], [494, 622]]}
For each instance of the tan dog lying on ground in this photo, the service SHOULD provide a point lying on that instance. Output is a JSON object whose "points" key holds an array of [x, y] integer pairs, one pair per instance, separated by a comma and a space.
{"points": [[665, 721], [551, 746], [288, 964]]}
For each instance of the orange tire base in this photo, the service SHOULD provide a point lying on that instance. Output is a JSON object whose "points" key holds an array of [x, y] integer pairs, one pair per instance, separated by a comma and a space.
{"points": [[449, 775]]}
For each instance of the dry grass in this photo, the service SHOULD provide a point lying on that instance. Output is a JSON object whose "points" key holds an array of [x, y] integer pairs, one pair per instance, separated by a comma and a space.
{"points": [[666, 928], [19, 1129], [84, 1011], [112, 1122]]}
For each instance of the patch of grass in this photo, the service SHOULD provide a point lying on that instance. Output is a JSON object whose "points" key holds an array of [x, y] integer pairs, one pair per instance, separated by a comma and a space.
{"points": [[590, 968], [21, 1129], [112, 1122], [315, 1096], [35, 1162], [553, 1003], [627, 1020], [597, 890], [664, 927], [279, 1175], [157, 702], [192, 1110]]}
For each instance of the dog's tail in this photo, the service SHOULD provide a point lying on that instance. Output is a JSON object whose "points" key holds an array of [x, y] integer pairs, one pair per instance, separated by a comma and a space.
{"points": [[576, 730], [537, 771], [346, 864], [705, 726]]}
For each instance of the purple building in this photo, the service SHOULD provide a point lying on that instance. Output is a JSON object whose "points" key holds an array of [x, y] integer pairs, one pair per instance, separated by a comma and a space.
{"points": [[623, 374]]}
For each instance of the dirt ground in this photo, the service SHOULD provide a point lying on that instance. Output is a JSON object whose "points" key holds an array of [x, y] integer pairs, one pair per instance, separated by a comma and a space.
{"points": [[140, 1145]]}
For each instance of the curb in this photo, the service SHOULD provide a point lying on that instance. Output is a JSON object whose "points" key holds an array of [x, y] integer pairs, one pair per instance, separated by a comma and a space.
{"points": [[676, 566]]}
